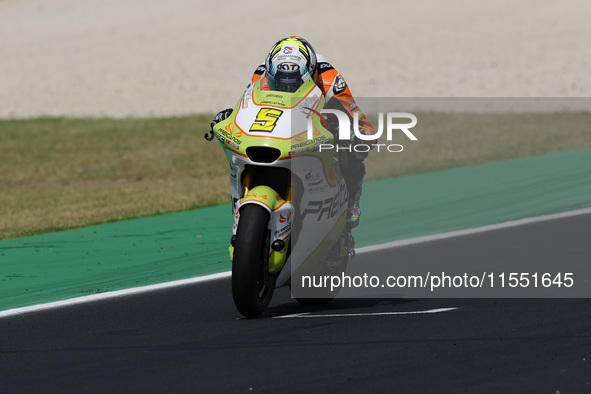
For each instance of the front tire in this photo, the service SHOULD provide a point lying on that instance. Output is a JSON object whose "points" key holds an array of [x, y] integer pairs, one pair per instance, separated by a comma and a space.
{"points": [[252, 284]]}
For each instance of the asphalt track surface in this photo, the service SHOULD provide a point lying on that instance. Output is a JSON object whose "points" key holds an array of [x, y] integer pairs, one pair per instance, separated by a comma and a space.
{"points": [[191, 338]]}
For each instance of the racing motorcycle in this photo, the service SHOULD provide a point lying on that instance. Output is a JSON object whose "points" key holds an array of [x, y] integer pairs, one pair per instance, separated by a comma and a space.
{"points": [[289, 198]]}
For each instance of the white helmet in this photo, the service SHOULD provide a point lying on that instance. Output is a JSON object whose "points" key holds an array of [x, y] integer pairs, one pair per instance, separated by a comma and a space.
{"points": [[289, 64]]}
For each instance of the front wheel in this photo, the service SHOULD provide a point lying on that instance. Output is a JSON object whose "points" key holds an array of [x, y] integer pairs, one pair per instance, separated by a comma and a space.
{"points": [[252, 284]]}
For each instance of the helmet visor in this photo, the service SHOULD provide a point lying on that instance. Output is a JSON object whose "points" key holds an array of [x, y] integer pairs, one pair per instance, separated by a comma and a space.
{"points": [[285, 81]]}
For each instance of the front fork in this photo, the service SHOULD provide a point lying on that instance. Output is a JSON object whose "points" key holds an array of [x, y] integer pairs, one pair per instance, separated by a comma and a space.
{"points": [[281, 215]]}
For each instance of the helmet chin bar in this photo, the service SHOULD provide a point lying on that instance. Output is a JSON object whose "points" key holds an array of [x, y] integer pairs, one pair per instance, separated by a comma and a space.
{"points": [[285, 81]]}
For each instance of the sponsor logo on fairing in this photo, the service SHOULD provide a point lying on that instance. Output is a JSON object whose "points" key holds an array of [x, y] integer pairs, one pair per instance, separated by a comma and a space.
{"points": [[327, 208]]}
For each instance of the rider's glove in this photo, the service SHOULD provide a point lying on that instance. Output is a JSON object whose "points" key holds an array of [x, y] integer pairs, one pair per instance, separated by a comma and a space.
{"points": [[222, 115]]}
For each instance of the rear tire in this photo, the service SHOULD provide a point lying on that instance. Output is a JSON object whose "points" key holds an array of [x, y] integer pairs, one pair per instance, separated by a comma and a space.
{"points": [[324, 295], [252, 284]]}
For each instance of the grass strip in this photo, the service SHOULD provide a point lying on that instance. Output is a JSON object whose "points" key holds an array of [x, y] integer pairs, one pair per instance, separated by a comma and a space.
{"points": [[61, 173]]}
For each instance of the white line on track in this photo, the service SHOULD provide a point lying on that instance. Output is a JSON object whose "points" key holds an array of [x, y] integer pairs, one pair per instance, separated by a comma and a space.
{"points": [[367, 249], [112, 294], [476, 230], [308, 314]]}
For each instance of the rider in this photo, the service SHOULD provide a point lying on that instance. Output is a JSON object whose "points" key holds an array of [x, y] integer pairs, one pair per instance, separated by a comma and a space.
{"points": [[304, 63]]}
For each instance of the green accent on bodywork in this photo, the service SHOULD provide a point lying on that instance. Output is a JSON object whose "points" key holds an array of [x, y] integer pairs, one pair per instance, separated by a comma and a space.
{"points": [[281, 99], [231, 250], [265, 195], [277, 258]]}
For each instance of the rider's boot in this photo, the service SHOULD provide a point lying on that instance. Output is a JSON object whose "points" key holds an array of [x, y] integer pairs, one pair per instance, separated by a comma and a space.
{"points": [[354, 212]]}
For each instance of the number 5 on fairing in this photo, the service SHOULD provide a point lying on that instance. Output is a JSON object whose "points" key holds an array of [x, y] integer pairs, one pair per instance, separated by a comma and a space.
{"points": [[266, 120]]}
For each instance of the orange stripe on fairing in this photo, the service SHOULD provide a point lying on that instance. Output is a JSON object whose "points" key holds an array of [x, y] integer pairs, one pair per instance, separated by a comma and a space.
{"points": [[228, 147], [282, 204]]}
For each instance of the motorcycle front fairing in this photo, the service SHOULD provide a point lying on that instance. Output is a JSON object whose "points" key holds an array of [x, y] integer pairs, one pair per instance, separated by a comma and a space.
{"points": [[275, 165]]}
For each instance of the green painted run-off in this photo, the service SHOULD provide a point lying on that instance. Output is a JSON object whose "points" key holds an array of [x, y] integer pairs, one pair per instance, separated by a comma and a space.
{"points": [[158, 249]]}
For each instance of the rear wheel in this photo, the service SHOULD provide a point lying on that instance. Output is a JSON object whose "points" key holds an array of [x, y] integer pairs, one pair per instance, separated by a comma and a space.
{"points": [[334, 265], [252, 284], [323, 295]]}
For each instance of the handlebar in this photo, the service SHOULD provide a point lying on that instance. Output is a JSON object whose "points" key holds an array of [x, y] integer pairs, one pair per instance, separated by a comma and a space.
{"points": [[209, 135]]}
